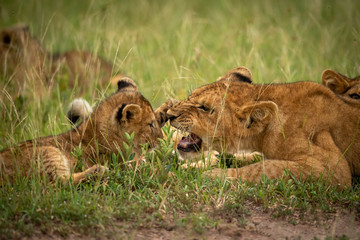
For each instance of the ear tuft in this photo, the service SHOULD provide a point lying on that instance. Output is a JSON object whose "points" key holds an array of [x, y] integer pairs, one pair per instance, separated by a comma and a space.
{"points": [[241, 78], [335, 81], [78, 109], [124, 83], [239, 74]]}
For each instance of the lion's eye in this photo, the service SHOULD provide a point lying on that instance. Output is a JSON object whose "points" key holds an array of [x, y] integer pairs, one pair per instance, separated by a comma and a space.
{"points": [[206, 109], [354, 96], [151, 125], [202, 107]]}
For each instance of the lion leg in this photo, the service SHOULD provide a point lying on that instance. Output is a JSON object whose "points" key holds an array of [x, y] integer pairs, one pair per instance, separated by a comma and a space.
{"points": [[253, 173], [57, 166], [323, 160], [335, 171], [53, 163], [94, 170]]}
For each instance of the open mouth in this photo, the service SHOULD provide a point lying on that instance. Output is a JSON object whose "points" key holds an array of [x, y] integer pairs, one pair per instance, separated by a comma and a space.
{"points": [[190, 143]]}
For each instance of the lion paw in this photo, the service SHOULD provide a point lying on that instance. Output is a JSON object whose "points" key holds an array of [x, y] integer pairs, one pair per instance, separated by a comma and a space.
{"points": [[160, 112], [97, 170]]}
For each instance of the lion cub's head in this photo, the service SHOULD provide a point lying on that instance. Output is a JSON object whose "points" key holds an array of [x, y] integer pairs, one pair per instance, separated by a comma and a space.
{"points": [[21, 60], [221, 114], [342, 85], [125, 111], [19, 50]]}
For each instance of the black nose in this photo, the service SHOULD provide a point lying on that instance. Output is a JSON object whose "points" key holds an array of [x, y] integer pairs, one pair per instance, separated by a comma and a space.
{"points": [[170, 116]]}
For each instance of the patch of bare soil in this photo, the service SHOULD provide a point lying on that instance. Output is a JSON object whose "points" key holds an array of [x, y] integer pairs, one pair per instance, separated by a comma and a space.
{"points": [[259, 224], [262, 225]]}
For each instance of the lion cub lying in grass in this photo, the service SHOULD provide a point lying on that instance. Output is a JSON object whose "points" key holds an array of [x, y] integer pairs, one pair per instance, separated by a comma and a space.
{"points": [[26, 64], [291, 124], [98, 136]]}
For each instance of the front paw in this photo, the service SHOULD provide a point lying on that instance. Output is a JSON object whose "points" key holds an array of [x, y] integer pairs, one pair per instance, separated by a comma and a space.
{"points": [[170, 103], [160, 112], [97, 170]]}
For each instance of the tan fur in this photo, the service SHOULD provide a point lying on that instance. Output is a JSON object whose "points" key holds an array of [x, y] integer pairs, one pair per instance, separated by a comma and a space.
{"points": [[203, 159], [80, 109], [349, 88], [291, 124], [28, 65], [98, 136]]}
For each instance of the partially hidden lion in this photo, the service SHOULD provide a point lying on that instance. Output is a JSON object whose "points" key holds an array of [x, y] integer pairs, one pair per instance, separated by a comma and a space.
{"points": [[27, 65], [349, 88], [97, 137], [292, 124]]}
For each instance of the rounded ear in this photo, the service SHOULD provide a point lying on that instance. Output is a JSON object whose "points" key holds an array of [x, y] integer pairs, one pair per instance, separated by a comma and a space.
{"points": [[124, 83], [239, 74], [129, 113], [258, 112], [335, 81], [7, 34]]}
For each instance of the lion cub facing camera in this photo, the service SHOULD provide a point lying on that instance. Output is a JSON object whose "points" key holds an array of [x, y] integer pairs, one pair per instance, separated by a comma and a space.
{"points": [[98, 136]]}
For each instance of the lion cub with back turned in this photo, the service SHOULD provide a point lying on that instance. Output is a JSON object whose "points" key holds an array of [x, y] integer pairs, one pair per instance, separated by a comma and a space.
{"points": [[291, 124], [98, 136]]}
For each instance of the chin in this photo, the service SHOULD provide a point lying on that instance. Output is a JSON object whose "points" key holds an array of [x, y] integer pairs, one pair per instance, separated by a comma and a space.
{"points": [[190, 155]]}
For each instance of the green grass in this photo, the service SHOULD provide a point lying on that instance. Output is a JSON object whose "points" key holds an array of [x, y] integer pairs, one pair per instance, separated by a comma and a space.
{"points": [[170, 48]]}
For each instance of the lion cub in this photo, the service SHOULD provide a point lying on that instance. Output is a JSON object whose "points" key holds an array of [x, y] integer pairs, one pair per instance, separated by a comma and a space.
{"points": [[27, 65], [291, 124], [349, 88], [98, 136]]}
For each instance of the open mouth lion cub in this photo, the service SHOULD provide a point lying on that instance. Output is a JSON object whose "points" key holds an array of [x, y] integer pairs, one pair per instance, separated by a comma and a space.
{"points": [[98, 136], [291, 124]]}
